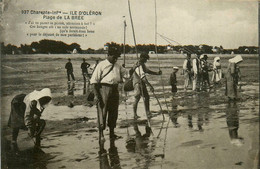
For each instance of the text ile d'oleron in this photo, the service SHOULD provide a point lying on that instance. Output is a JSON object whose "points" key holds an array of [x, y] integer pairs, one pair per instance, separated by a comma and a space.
{"points": [[60, 23]]}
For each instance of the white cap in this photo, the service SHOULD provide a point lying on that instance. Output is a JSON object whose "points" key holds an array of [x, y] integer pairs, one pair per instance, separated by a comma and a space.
{"points": [[175, 67]]}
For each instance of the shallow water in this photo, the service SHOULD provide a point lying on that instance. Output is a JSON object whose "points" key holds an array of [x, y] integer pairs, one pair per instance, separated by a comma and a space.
{"points": [[198, 136], [199, 132]]}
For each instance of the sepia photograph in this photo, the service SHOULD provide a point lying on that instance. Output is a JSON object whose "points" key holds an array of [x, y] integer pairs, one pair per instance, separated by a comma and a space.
{"points": [[129, 84]]}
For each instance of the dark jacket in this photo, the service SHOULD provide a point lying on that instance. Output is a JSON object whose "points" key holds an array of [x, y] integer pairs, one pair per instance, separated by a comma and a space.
{"points": [[69, 67], [84, 67], [173, 79]]}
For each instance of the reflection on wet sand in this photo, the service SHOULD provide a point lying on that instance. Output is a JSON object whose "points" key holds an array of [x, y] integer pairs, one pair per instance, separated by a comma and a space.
{"points": [[85, 86], [112, 154], [71, 87], [174, 114], [232, 117], [139, 144], [29, 158]]}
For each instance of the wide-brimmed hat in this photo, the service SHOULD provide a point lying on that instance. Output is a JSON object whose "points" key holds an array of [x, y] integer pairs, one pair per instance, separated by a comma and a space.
{"points": [[175, 67]]}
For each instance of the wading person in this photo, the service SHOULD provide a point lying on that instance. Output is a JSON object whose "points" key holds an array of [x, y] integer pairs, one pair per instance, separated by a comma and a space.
{"points": [[25, 113], [84, 67], [204, 72], [187, 66], [69, 68], [173, 79], [197, 74], [105, 79], [232, 77], [217, 72], [140, 81]]}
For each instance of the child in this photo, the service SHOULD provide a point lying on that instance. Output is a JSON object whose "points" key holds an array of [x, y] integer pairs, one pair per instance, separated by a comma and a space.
{"points": [[173, 79]]}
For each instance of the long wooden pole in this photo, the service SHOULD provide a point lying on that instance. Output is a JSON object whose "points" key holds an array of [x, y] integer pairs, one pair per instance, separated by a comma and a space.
{"points": [[124, 39], [148, 120]]}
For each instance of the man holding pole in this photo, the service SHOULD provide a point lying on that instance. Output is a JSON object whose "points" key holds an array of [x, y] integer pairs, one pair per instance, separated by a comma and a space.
{"points": [[105, 79], [140, 81]]}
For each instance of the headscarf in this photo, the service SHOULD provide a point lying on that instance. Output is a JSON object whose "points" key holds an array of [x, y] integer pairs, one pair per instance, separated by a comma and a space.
{"points": [[215, 63], [236, 59], [36, 95]]}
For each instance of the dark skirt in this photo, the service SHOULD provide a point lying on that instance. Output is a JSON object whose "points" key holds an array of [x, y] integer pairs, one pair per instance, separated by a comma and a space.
{"points": [[174, 88], [16, 118]]}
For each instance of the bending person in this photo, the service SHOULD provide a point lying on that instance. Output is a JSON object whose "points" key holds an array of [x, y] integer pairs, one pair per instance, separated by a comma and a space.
{"points": [[25, 113]]}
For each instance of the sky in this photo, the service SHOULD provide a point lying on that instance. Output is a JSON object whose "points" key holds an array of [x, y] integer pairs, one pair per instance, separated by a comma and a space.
{"points": [[230, 23]]}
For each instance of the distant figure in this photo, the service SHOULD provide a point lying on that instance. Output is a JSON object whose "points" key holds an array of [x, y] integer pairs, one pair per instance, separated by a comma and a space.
{"points": [[197, 73], [173, 79], [187, 66], [204, 72], [232, 77], [217, 73], [140, 81], [25, 113], [84, 67], [69, 68]]}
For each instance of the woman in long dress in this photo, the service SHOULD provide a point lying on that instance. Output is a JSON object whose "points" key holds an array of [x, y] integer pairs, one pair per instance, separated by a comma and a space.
{"points": [[217, 72], [232, 77]]}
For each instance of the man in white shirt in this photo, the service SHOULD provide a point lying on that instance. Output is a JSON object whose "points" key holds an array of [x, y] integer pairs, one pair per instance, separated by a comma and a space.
{"points": [[105, 79], [140, 81], [197, 73]]}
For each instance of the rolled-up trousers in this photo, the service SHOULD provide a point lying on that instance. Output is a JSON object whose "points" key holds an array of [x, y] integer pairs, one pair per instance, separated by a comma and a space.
{"points": [[108, 109]]}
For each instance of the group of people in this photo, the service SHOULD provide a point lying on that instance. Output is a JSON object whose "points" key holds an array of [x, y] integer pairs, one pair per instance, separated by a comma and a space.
{"points": [[108, 74], [84, 67], [27, 109], [196, 72]]}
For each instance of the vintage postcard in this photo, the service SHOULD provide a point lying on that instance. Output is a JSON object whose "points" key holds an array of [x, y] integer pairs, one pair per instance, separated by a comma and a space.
{"points": [[129, 84]]}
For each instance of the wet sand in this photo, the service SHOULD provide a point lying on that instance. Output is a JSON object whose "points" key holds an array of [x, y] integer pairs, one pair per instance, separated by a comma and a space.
{"points": [[200, 130]]}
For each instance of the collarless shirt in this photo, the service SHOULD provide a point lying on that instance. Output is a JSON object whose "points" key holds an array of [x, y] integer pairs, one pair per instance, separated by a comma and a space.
{"points": [[113, 77]]}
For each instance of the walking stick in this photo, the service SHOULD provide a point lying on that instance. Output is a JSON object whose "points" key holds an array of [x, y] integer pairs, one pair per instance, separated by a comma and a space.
{"points": [[99, 122]]}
